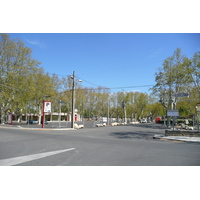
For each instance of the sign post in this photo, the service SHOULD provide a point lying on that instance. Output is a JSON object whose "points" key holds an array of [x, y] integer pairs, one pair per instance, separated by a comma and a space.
{"points": [[182, 95], [198, 115], [173, 113], [46, 109]]}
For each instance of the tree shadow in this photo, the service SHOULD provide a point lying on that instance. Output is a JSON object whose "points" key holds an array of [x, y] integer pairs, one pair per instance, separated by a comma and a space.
{"points": [[134, 135], [152, 126]]}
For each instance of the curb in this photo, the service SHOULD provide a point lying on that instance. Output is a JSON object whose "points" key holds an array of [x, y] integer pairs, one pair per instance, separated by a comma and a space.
{"points": [[39, 129], [176, 138]]}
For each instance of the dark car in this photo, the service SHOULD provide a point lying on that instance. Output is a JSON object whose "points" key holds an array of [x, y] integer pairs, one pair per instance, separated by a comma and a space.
{"points": [[31, 121], [45, 122]]}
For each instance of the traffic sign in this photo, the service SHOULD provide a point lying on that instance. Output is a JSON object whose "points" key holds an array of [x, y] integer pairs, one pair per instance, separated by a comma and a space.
{"points": [[181, 95], [172, 113], [47, 106]]}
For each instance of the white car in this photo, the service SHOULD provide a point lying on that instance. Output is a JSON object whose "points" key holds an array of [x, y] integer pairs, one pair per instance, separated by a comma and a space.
{"points": [[114, 124], [143, 120]]}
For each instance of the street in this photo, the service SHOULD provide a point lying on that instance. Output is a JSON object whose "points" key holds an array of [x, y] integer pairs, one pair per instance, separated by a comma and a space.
{"points": [[130, 145]]}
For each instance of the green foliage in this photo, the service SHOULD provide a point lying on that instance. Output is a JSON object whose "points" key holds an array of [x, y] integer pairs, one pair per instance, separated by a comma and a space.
{"points": [[22, 81], [179, 74]]}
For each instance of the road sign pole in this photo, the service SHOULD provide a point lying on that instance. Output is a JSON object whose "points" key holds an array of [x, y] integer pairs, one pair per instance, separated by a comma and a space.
{"points": [[197, 115], [43, 115]]}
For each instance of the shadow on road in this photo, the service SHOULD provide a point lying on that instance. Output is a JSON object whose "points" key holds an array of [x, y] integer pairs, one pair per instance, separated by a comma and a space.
{"points": [[141, 131], [152, 126], [133, 135]]}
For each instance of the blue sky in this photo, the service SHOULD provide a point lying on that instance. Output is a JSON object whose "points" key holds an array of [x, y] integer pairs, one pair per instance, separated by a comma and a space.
{"points": [[113, 60]]}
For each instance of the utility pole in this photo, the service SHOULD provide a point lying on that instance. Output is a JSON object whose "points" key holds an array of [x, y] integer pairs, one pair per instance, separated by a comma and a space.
{"points": [[124, 108], [73, 99], [170, 98], [125, 119], [60, 112], [108, 111]]}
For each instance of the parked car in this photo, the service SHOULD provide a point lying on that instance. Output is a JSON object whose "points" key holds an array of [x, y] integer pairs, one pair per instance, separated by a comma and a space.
{"points": [[31, 121], [143, 120], [115, 124], [45, 122]]}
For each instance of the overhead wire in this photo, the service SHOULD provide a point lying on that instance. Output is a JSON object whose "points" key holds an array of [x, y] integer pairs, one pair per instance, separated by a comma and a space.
{"points": [[108, 87], [120, 87], [87, 81]]}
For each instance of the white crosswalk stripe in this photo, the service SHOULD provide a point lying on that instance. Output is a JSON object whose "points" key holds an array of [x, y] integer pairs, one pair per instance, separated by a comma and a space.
{"points": [[22, 159]]}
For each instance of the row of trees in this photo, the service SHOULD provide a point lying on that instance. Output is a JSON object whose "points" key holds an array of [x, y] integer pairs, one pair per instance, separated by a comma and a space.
{"points": [[24, 85]]}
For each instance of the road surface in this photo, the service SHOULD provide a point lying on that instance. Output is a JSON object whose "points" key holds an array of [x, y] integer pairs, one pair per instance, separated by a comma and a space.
{"points": [[104, 146]]}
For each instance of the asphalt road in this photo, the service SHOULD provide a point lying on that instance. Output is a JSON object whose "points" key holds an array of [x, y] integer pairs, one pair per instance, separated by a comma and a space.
{"points": [[104, 146]]}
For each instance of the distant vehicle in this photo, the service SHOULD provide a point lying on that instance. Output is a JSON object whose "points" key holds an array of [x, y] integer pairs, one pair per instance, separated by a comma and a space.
{"points": [[31, 121], [148, 121], [115, 124], [158, 119], [45, 122], [101, 125], [104, 119], [143, 120]]}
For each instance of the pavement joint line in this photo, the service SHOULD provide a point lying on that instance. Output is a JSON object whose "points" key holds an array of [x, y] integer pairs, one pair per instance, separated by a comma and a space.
{"points": [[22, 159]]}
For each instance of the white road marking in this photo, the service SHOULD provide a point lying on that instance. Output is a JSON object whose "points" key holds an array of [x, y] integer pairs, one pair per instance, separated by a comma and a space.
{"points": [[22, 159]]}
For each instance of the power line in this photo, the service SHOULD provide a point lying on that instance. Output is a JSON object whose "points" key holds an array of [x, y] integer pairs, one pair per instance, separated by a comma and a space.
{"points": [[135, 86], [122, 87], [88, 81], [111, 88]]}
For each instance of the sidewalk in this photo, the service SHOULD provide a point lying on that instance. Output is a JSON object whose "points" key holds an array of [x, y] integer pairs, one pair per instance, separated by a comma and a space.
{"points": [[33, 127], [176, 138]]}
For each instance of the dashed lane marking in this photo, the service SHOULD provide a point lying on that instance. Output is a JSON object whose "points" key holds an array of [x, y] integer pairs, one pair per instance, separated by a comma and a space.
{"points": [[22, 159]]}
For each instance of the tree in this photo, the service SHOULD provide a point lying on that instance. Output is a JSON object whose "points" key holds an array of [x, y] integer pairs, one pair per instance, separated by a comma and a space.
{"points": [[179, 74], [16, 67], [22, 80], [194, 71]]}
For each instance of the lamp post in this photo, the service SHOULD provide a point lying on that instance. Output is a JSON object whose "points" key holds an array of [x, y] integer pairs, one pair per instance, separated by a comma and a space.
{"points": [[124, 108], [60, 112], [73, 98], [108, 121]]}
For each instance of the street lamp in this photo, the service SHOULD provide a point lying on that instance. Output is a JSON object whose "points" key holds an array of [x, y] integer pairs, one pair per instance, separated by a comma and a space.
{"points": [[108, 111], [124, 108], [73, 99]]}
